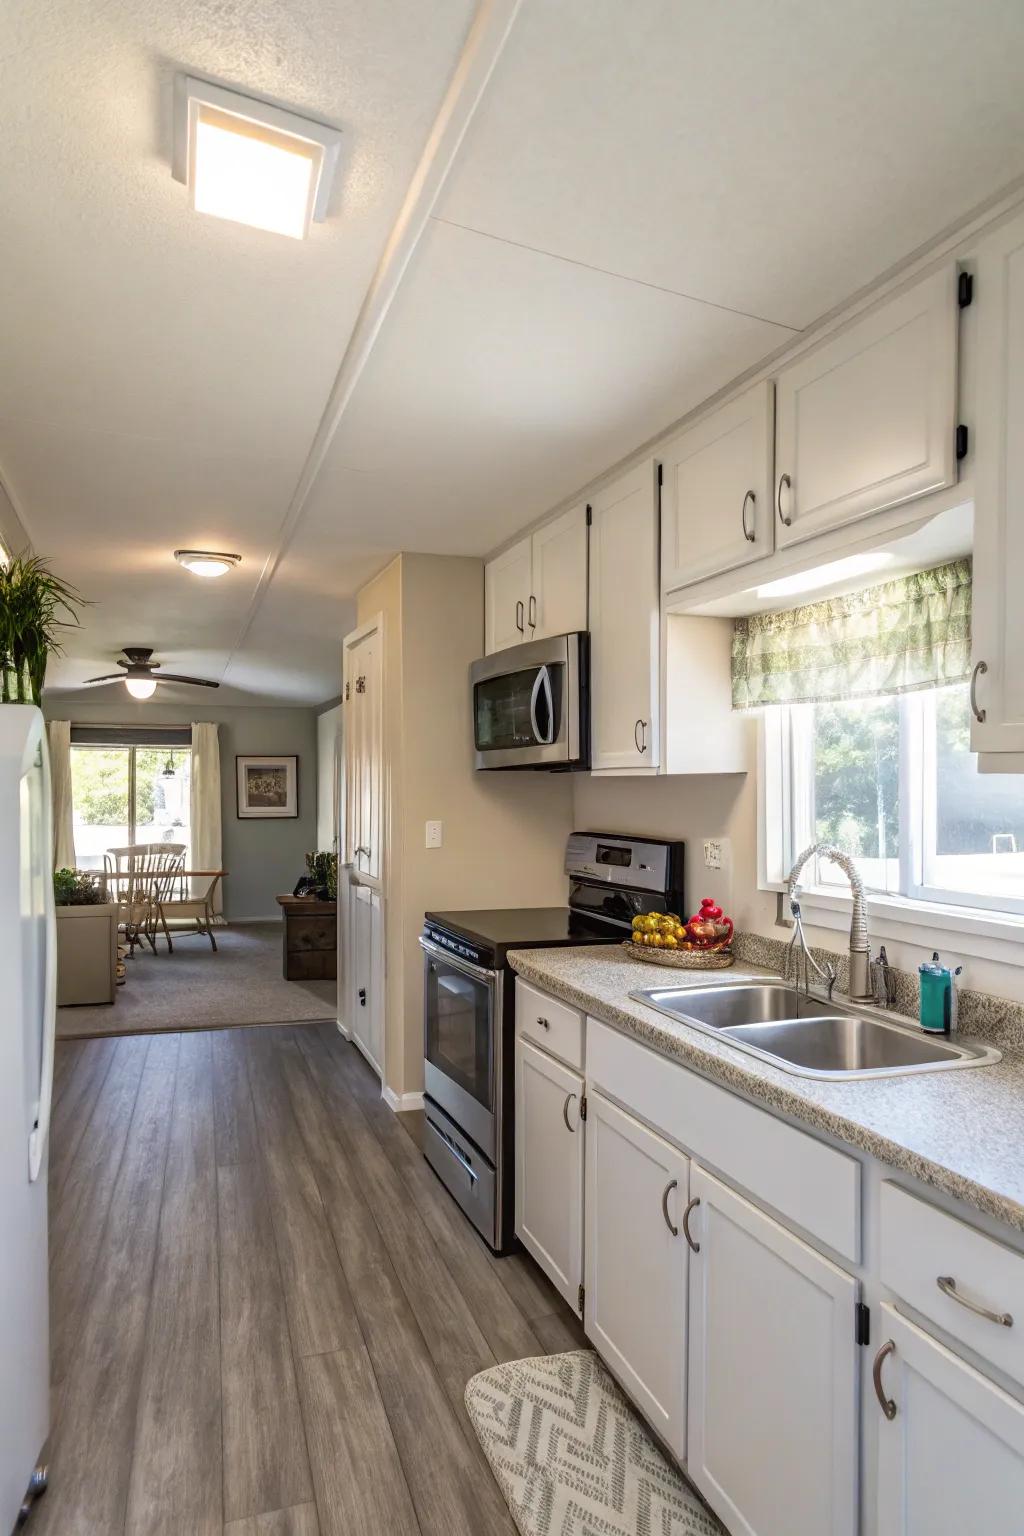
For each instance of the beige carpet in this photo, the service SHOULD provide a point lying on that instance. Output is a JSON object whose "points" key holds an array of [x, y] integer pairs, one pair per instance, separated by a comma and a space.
{"points": [[193, 988]]}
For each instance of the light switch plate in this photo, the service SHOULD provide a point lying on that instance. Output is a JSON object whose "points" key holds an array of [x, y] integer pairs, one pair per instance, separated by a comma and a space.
{"points": [[712, 853], [435, 830]]}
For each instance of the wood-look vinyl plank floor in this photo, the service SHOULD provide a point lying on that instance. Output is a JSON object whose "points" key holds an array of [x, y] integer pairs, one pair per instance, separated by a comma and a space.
{"points": [[265, 1307]]}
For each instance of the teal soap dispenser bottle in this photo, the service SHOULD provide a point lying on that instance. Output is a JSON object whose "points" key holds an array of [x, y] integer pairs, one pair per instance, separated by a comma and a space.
{"points": [[938, 996]]}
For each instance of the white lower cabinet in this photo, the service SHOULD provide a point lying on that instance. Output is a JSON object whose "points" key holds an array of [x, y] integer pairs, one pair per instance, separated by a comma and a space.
{"points": [[772, 1420], [549, 1166], [951, 1458], [636, 1262]]}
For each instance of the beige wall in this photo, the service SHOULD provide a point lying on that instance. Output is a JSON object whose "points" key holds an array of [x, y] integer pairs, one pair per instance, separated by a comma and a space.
{"points": [[504, 833]]}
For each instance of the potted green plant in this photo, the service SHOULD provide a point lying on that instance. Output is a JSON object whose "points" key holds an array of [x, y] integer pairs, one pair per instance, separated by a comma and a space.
{"points": [[35, 605], [86, 938]]}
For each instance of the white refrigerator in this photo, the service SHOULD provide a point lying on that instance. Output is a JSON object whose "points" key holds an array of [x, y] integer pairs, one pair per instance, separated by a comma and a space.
{"points": [[28, 998]]}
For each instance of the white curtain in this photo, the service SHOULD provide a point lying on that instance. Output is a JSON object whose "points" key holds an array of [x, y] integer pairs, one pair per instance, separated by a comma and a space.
{"points": [[205, 807], [58, 735]]}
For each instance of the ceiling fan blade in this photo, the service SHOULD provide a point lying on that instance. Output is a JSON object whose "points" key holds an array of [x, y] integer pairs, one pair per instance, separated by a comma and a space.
{"points": [[111, 677], [197, 682]]}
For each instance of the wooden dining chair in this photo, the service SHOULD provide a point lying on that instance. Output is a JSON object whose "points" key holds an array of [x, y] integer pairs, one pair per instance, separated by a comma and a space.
{"points": [[187, 911], [142, 873]]}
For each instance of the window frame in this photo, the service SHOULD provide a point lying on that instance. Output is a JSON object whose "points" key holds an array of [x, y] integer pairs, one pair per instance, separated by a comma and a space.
{"points": [[132, 744]]}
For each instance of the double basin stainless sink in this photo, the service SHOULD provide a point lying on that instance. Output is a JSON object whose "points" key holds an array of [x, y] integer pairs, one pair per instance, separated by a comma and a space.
{"points": [[808, 1036]]}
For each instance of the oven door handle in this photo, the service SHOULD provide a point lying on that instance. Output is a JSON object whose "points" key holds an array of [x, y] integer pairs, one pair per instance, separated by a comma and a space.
{"points": [[456, 961]]}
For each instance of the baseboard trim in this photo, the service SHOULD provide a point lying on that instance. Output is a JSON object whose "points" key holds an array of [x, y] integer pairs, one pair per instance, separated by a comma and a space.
{"points": [[240, 922], [343, 1030], [361, 1048], [399, 1102]]}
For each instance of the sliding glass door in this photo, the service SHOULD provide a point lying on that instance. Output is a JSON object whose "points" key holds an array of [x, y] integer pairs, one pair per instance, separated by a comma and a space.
{"points": [[128, 794]]}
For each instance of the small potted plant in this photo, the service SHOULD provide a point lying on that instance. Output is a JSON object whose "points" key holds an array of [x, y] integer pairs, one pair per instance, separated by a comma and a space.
{"points": [[86, 938], [321, 878], [35, 605]]}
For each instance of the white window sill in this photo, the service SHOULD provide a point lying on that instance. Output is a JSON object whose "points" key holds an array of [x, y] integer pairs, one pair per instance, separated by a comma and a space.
{"points": [[930, 924]]}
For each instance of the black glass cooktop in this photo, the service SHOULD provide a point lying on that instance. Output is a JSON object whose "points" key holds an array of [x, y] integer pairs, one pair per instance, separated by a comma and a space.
{"points": [[521, 927]]}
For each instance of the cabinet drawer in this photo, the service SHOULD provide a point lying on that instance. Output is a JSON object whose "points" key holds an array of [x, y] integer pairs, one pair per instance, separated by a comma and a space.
{"points": [[812, 1185], [553, 1025], [921, 1245]]}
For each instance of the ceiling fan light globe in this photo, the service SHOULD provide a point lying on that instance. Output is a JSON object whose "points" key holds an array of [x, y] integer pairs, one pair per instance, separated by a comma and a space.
{"points": [[141, 687]]}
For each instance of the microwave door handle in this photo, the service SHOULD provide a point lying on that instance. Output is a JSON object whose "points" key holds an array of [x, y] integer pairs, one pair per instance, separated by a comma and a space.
{"points": [[542, 681]]}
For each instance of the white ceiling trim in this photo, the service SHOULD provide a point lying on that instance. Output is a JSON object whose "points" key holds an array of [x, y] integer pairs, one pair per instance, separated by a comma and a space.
{"points": [[485, 40]]}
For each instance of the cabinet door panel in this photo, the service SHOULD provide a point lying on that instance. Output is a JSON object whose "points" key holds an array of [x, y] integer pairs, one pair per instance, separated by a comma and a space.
{"points": [[624, 622], [772, 1403], [559, 576], [636, 1266], [868, 419], [716, 499], [952, 1459], [507, 597], [998, 622], [549, 1166]]}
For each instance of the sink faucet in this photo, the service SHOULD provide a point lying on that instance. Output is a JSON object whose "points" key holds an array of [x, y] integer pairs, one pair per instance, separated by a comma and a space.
{"points": [[860, 968]]}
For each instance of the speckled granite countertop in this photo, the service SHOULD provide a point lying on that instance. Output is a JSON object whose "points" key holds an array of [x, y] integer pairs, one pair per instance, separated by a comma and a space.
{"points": [[960, 1131]]}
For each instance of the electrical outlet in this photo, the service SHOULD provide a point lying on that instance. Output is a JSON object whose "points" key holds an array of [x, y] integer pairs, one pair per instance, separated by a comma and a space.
{"points": [[435, 831], [712, 853]]}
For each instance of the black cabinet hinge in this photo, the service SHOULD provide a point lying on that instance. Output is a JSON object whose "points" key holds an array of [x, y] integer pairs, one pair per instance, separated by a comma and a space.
{"points": [[862, 1323], [590, 514], [965, 289], [961, 442], [661, 474], [583, 1107], [580, 1298]]}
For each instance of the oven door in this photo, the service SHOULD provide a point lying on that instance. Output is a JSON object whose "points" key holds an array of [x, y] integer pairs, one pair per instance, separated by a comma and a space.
{"points": [[461, 1028], [530, 706]]}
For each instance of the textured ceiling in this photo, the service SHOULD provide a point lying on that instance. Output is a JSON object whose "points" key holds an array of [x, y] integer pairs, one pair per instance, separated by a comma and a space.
{"points": [[649, 199]]}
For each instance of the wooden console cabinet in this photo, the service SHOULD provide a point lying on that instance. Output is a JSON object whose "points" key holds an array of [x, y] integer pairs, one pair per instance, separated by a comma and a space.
{"points": [[310, 946]]}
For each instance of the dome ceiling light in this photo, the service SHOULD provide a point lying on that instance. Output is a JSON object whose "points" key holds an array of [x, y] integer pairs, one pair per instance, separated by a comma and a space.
{"points": [[206, 562]]}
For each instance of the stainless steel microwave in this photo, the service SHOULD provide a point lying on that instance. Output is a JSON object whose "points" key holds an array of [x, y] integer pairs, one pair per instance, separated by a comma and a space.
{"points": [[531, 705]]}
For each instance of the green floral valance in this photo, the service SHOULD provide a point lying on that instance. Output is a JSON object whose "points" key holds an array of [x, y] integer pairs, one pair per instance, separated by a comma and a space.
{"points": [[913, 632]]}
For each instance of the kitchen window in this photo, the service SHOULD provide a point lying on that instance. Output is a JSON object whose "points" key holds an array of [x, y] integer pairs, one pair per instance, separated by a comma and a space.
{"points": [[129, 791], [892, 781]]}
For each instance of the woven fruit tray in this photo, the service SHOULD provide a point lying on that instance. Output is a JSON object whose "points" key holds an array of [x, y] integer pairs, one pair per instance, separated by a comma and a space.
{"points": [[716, 959]]}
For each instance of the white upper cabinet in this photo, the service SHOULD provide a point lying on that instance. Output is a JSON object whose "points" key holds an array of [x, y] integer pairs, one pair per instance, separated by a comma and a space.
{"points": [[772, 1438], [558, 594], [716, 496], [950, 1446], [507, 596], [998, 620], [636, 1190], [539, 586], [868, 419], [624, 623]]}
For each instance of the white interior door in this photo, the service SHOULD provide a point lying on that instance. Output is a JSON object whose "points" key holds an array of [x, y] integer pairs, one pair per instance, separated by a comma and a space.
{"points": [[558, 598], [716, 496], [636, 1262], [868, 419], [365, 819], [951, 1460], [549, 1166], [507, 581], [625, 623], [772, 1417]]}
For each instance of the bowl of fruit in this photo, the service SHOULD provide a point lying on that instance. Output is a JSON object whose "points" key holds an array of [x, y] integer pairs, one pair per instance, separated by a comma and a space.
{"points": [[702, 942]]}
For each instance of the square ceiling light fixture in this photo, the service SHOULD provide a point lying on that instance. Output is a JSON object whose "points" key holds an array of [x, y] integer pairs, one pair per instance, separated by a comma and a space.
{"points": [[248, 161]]}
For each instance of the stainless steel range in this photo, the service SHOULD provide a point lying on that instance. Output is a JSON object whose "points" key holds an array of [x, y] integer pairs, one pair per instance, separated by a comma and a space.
{"points": [[469, 1008]]}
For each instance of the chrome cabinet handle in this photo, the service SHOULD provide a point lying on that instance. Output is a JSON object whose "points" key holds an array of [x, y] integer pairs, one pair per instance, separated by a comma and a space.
{"points": [[520, 614], [532, 619], [565, 1112], [686, 1223], [886, 1404], [674, 1184], [784, 480], [543, 1023], [979, 671], [640, 735], [750, 534], [947, 1285]]}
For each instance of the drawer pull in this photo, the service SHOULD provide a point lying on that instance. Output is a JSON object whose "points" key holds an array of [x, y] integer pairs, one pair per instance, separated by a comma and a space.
{"points": [[664, 1206], [565, 1111], [686, 1223], [886, 1404], [947, 1285], [543, 1023]]}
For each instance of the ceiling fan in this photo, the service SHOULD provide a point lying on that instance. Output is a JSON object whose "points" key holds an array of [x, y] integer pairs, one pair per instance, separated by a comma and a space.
{"points": [[138, 674]]}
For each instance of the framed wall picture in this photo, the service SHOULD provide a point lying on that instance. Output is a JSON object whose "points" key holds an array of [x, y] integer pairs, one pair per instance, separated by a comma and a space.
{"points": [[267, 786]]}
